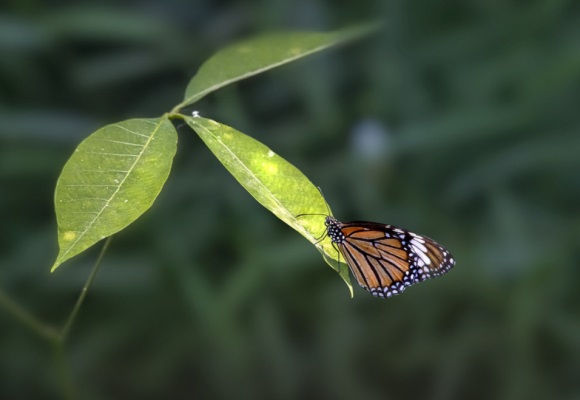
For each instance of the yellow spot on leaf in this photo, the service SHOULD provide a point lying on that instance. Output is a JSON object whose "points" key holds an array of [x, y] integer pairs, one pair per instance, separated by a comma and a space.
{"points": [[68, 236], [270, 168]]}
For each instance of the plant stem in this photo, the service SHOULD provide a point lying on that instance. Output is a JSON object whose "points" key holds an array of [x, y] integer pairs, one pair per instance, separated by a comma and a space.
{"points": [[27, 318], [62, 369], [65, 331], [56, 339], [58, 343]]}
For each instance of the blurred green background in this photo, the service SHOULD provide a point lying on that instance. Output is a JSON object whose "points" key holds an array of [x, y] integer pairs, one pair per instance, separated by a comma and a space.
{"points": [[459, 120]]}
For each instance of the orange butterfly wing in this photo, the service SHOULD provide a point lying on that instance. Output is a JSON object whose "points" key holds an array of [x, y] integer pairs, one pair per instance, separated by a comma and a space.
{"points": [[385, 259]]}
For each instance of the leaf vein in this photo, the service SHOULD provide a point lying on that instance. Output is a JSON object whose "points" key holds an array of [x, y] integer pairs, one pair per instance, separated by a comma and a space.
{"points": [[121, 142], [133, 132], [91, 223], [104, 170], [89, 185], [113, 154], [83, 198]]}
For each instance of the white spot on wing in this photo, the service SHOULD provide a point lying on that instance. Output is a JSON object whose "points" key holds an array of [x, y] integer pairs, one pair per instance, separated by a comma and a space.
{"points": [[420, 250], [419, 243]]}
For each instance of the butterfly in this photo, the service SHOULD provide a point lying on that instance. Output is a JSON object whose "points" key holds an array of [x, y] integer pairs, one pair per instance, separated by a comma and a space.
{"points": [[384, 259]]}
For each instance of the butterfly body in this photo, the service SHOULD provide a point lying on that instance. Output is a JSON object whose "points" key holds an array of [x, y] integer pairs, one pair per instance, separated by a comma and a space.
{"points": [[384, 259]]}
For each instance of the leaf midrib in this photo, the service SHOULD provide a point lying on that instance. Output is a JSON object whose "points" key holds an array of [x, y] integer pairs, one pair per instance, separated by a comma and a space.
{"points": [[199, 95], [137, 159], [255, 177]]}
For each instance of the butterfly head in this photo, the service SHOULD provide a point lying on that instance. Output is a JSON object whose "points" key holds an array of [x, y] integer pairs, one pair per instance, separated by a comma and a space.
{"points": [[333, 229]]}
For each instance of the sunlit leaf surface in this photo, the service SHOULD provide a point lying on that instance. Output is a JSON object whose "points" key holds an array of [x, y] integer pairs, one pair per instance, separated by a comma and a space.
{"points": [[112, 178], [259, 54], [273, 182]]}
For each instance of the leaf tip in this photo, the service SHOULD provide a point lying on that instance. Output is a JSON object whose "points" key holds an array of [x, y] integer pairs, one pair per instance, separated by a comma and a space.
{"points": [[55, 266]]}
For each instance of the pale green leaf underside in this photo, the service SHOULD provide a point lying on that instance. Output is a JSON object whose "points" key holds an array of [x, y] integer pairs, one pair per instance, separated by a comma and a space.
{"points": [[112, 178], [259, 54], [273, 182]]}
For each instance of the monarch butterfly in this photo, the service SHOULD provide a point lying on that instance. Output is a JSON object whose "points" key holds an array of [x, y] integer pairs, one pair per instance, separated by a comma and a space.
{"points": [[384, 259]]}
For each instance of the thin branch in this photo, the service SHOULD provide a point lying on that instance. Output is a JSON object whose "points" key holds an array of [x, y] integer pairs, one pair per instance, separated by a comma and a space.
{"points": [[25, 317], [62, 369], [73, 314]]}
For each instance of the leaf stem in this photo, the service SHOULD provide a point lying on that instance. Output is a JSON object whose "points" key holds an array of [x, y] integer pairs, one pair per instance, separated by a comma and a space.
{"points": [[65, 331]]}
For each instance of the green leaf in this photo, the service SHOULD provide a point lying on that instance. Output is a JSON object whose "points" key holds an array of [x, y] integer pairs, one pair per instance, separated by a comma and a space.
{"points": [[273, 182], [111, 179], [250, 57]]}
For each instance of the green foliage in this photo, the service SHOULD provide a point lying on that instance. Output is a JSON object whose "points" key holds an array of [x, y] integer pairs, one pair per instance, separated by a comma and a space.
{"points": [[273, 182], [116, 173], [476, 106], [256, 55], [111, 179]]}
